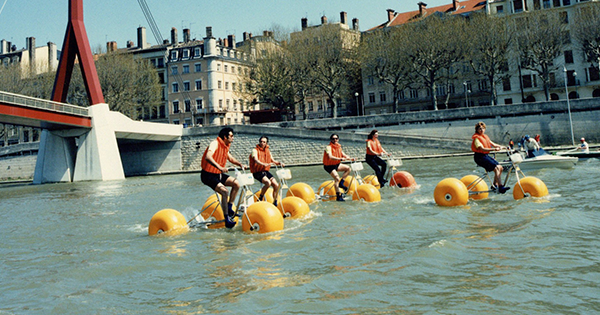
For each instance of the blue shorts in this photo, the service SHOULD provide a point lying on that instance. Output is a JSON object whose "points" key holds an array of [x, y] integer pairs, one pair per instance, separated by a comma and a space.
{"points": [[485, 161]]}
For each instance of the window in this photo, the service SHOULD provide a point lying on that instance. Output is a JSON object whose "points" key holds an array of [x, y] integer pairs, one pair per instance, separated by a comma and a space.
{"points": [[188, 106], [566, 2], [500, 9], [160, 63], [529, 81], [594, 74], [197, 52], [518, 5], [371, 97], [220, 104], [186, 85], [198, 85], [370, 81], [174, 70], [414, 93], [186, 69], [506, 84], [381, 96], [232, 69], [173, 54], [235, 107], [564, 17], [175, 107], [175, 88], [320, 107], [198, 67], [185, 53], [199, 104], [219, 84], [556, 3], [233, 86], [508, 101], [227, 101], [225, 68], [401, 95], [176, 122], [227, 85], [483, 85], [568, 56], [440, 90], [218, 67]]}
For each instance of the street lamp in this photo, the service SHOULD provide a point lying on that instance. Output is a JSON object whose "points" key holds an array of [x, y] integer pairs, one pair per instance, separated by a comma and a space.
{"points": [[466, 95], [568, 105], [357, 110]]}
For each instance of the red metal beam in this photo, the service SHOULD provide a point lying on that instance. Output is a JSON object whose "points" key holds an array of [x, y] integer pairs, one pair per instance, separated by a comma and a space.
{"points": [[20, 115], [76, 44]]}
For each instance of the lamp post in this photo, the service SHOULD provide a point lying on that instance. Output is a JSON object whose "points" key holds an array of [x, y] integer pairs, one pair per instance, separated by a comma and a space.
{"points": [[466, 95], [357, 110], [568, 105]]}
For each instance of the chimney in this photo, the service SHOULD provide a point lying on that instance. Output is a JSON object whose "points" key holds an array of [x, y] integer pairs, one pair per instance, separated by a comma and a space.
{"points": [[224, 42], [141, 38], [422, 7], [130, 44], [174, 40], [4, 47], [343, 17], [209, 31], [245, 36], [231, 40], [165, 42], [391, 14], [31, 49], [323, 20], [112, 46], [52, 56], [304, 22], [455, 4], [355, 24], [186, 35]]}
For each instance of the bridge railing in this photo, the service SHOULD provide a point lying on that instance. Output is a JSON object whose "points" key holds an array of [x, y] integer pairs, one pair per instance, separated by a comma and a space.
{"points": [[28, 101]]}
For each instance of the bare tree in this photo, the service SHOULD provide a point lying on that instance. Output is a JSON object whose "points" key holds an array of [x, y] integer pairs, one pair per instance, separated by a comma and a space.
{"points": [[328, 52], [586, 30], [541, 37], [437, 45], [384, 57], [488, 50]]}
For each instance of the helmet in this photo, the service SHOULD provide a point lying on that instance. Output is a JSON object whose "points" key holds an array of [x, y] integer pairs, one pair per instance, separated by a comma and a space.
{"points": [[582, 139], [526, 137]]}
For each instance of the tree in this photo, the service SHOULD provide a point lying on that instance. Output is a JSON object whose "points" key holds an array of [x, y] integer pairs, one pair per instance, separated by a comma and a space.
{"points": [[436, 46], [586, 30], [488, 50], [541, 37], [329, 54], [383, 56]]}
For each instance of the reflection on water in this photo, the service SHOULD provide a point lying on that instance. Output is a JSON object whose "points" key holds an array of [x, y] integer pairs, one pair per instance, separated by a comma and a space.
{"points": [[83, 248]]}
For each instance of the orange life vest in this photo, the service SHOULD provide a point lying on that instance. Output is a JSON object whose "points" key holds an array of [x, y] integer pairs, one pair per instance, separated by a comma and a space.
{"points": [[220, 156], [485, 141], [375, 149], [336, 151], [264, 155]]}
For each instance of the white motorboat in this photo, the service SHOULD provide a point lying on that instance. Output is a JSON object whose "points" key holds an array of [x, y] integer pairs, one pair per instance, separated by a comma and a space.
{"points": [[544, 160], [580, 154]]}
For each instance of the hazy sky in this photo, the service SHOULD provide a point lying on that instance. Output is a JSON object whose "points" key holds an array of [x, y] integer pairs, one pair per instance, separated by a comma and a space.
{"points": [[117, 20]]}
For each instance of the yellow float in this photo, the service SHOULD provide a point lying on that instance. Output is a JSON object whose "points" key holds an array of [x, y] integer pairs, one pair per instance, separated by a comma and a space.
{"points": [[212, 212], [268, 195], [451, 192], [532, 186], [327, 188], [373, 180], [303, 191], [475, 184], [293, 207], [367, 192], [262, 217], [167, 221]]}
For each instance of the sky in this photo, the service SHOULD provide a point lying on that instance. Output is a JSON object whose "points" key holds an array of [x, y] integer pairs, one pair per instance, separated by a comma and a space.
{"points": [[118, 20]]}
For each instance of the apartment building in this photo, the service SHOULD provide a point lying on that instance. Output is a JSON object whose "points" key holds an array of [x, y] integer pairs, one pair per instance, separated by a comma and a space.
{"points": [[317, 104], [33, 60]]}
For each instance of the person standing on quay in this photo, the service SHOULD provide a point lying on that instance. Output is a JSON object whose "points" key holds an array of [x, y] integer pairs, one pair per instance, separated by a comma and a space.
{"points": [[374, 151], [482, 146], [260, 164], [213, 175], [332, 158]]}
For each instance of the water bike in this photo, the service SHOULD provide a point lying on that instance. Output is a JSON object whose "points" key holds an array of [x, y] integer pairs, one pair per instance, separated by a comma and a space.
{"points": [[354, 185], [395, 178], [256, 216], [454, 192]]}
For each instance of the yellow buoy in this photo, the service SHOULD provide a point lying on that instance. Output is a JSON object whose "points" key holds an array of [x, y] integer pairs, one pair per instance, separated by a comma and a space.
{"points": [[403, 179], [293, 207], [367, 192], [302, 190], [532, 186], [167, 221], [351, 183], [327, 188], [262, 217], [268, 195], [373, 180], [474, 184], [451, 192], [211, 211]]}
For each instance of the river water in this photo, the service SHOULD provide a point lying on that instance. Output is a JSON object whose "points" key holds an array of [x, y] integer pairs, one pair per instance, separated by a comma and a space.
{"points": [[82, 248]]}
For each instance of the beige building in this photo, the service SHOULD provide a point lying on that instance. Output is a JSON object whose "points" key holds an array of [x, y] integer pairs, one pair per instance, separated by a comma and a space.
{"points": [[33, 60]]}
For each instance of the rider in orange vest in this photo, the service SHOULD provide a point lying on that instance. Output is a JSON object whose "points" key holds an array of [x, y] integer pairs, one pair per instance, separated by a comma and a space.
{"points": [[482, 146], [260, 164], [374, 151], [213, 163], [332, 158]]}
